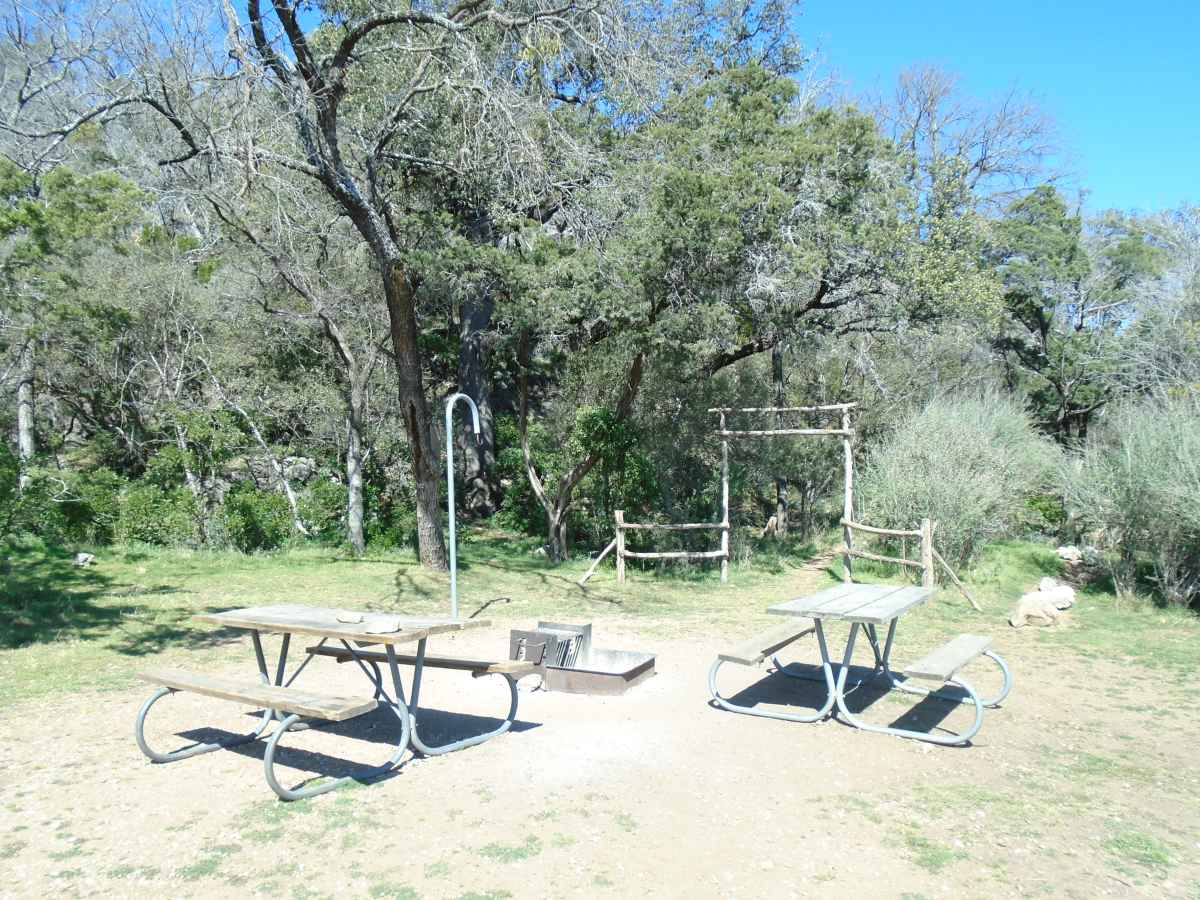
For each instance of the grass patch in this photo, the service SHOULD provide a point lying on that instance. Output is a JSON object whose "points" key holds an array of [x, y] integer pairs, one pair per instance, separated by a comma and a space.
{"points": [[625, 822], [128, 871], [1141, 849], [930, 855], [10, 849], [486, 895], [98, 625], [439, 869], [508, 853], [209, 863], [392, 891]]}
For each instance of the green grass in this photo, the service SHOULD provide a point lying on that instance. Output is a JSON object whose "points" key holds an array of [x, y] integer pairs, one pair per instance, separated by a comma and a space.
{"points": [[65, 630], [930, 855], [1141, 849], [208, 864], [392, 891], [527, 849]]}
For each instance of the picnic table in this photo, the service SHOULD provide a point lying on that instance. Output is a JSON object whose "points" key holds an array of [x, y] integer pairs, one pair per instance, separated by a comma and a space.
{"points": [[866, 607], [343, 635]]}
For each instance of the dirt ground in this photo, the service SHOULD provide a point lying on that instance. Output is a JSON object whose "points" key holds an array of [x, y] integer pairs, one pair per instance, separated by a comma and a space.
{"points": [[1085, 784]]}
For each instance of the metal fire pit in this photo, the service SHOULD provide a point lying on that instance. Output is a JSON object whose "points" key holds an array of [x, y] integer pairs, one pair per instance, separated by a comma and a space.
{"points": [[571, 664]]}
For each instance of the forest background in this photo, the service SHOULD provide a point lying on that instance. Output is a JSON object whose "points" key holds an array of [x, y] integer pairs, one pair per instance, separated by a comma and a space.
{"points": [[247, 250]]}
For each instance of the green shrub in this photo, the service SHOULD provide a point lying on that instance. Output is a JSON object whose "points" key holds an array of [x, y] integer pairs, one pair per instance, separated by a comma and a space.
{"points": [[10, 473], [323, 508], [62, 506], [1137, 481], [153, 515], [971, 464], [388, 523], [256, 520]]}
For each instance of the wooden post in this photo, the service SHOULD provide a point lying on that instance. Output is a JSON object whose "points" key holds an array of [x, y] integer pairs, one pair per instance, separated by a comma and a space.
{"points": [[848, 497], [927, 579], [620, 514], [724, 505], [596, 562]]}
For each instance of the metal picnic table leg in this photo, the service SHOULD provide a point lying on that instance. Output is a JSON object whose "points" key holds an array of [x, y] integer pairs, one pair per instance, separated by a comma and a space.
{"points": [[396, 704], [881, 661], [957, 696], [822, 713], [268, 715], [902, 732], [419, 745]]}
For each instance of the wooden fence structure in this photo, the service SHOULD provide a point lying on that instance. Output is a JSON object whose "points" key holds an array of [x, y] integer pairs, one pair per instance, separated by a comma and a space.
{"points": [[924, 536], [928, 553], [845, 432]]}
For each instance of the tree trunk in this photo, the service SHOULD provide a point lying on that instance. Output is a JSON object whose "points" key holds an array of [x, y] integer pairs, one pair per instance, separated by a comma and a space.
{"points": [[192, 480], [479, 457], [402, 315], [781, 484], [26, 446], [354, 477]]}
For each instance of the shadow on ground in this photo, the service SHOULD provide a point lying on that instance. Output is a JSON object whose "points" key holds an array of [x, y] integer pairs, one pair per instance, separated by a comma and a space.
{"points": [[778, 692], [380, 727], [44, 594]]}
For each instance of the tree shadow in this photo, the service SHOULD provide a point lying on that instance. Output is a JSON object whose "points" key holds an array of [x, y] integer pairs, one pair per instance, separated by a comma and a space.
{"points": [[43, 595], [171, 626]]}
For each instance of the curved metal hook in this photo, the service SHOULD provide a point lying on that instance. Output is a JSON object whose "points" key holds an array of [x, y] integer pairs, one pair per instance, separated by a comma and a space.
{"points": [[450, 401]]}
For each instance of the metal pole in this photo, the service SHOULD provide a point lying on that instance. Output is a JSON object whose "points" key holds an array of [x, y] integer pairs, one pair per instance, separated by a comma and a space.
{"points": [[450, 401]]}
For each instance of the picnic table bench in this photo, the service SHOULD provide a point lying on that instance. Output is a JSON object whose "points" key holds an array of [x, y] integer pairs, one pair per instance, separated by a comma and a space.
{"points": [[865, 607], [293, 707]]}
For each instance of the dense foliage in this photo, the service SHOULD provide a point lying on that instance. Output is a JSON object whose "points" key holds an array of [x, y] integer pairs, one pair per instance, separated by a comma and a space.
{"points": [[1137, 484], [243, 262]]}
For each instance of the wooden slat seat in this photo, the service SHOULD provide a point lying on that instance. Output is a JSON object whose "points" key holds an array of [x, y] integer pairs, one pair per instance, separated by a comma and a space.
{"points": [[477, 667], [942, 663], [754, 650], [293, 700]]}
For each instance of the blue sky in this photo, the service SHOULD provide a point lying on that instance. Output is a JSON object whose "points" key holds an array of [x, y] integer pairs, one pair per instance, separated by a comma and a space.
{"points": [[1121, 79]]}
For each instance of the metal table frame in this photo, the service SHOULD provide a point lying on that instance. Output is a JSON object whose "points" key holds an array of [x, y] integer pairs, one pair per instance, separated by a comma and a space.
{"points": [[404, 711], [836, 686]]}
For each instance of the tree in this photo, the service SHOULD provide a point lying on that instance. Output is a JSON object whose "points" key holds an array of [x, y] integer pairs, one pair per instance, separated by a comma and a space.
{"points": [[48, 224], [315, 293], [1067, 297]]}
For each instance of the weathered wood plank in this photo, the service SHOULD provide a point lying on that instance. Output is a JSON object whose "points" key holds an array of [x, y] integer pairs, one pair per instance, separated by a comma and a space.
{"points": [[477, 667], [890, 606], [814, 605], [306, 703], [786, 432], [676, 554], [871, 529], [942, 663], [754, 650], [771, 409], [323, 622], [684, 526], [846, 607], [895, 560]]}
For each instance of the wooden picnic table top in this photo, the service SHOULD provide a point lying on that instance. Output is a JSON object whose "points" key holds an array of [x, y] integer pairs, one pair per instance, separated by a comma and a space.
{"points": [[373, 628], [869, 604]]}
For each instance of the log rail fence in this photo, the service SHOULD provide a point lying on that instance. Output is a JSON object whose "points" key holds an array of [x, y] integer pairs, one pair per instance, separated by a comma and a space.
{"points": [[929, 557]]}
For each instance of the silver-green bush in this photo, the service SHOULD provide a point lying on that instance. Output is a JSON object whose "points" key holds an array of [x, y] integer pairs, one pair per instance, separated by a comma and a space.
{"points": [[1137, 483], [972, 464]]}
